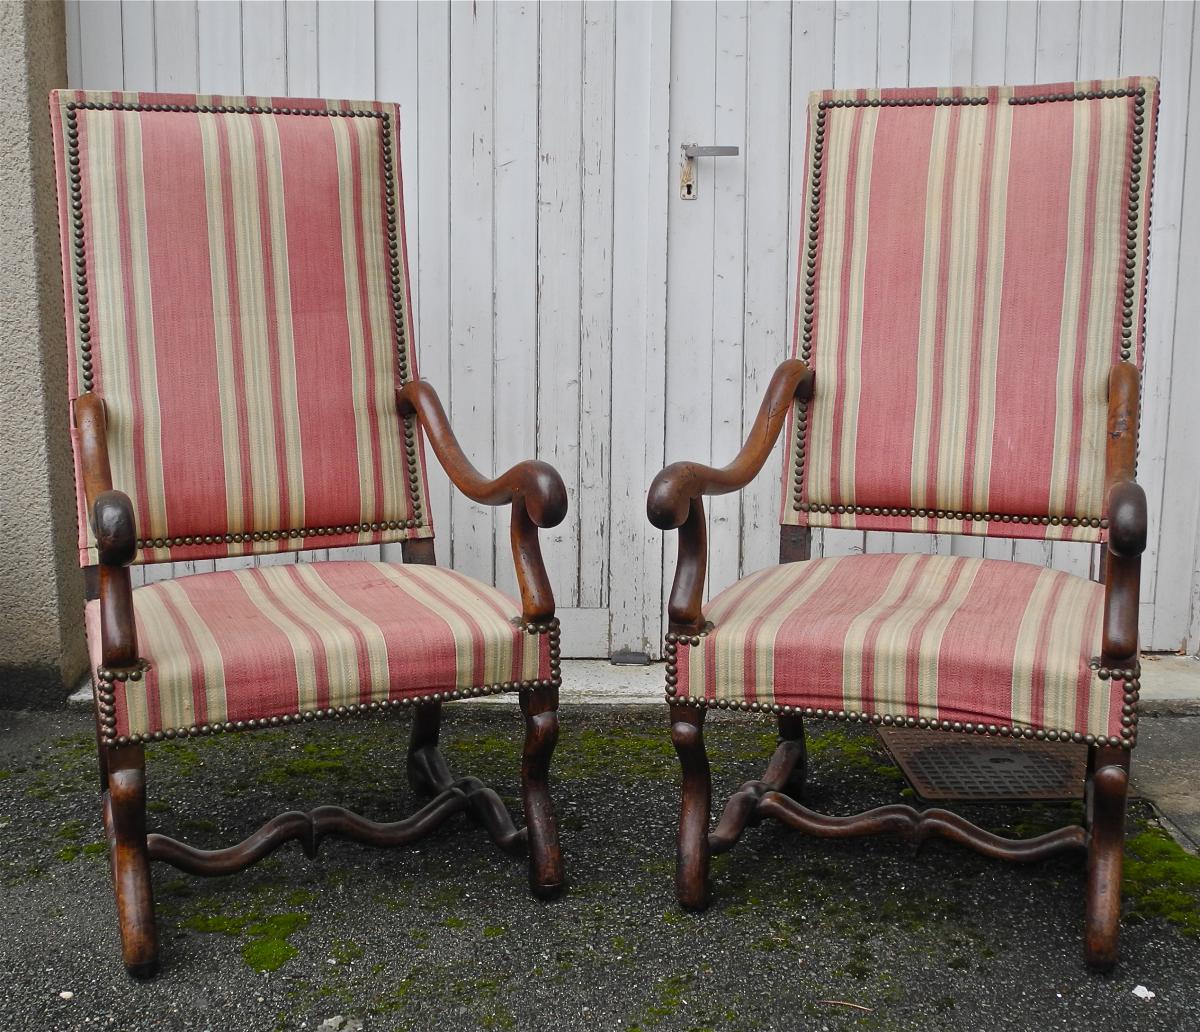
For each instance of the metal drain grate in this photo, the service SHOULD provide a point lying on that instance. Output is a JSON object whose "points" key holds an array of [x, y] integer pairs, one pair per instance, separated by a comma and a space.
{"points": [[942, 766]]}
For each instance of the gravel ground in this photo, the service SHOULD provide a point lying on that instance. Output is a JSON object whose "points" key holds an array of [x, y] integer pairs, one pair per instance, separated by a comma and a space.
{"points": [[446, 936]]}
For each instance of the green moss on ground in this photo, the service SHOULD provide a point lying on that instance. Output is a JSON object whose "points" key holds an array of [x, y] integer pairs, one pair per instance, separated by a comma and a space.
{"points": [[266, 932], [1160, 879]]}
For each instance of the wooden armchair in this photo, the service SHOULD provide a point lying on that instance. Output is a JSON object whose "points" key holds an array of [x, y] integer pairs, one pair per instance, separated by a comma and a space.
{"points": [[243, 383], [968, 338]]}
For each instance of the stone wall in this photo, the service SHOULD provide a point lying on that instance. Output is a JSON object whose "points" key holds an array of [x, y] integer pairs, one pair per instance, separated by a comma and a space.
{"points": [[42, 652]]}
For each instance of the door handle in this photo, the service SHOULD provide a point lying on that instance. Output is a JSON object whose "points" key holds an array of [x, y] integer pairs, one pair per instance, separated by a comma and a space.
{"points": [[687, 174]]}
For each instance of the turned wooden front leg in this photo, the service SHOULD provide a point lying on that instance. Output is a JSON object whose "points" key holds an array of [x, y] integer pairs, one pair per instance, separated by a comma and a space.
{"points": [[1109, 780], [691, 866], [125, 824], [540, 707]]}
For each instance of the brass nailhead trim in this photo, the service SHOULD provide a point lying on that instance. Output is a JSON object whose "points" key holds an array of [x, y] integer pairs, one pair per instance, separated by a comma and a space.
{"points": [[902, 102], [946, 514], [106, 700], [278, 535], [1126, 740], [1044, 98], [814, 220], [399, 314]]}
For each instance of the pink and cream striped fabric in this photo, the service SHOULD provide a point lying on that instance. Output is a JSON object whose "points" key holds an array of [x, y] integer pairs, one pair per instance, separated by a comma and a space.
{"points": [[998, 646], [973, 263], [294, 641], [237, 293]]}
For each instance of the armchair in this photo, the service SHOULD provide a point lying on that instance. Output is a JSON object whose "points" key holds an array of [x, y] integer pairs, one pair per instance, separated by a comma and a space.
{"points": [[243, 382], [970, 314]]}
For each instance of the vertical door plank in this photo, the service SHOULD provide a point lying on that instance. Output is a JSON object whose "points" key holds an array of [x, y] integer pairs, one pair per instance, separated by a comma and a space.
{"points": [[431, 266], [766, 337], [891, 45], [1099, 58], [177, 70], [559, 288], [1177, 587], [855, 63], [1156, 40], [177, 67], [303, 79], [471, 271], [891, 63], [219, 63], [642, 176], [1057, 60], [1142, 50], [346, 48], [346, 69], [516, 257], [1020, 64], [101, 66], [74, 47], [937, 53], [727, 178], [1099, 39], [690, 239], [264, 48], [264, 74], [989, 51], [219, 48], [137, 44], [596, 277], [397, 79], [812, 69]]}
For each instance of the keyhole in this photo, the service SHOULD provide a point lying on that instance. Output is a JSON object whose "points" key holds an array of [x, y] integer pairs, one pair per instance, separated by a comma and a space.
{"points": [[688, 189]]}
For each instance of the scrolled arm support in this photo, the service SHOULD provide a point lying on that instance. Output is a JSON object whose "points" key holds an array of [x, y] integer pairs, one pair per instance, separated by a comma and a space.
{"points": [[1125, 506], [676, 496], [115, 530], [534, 489]]}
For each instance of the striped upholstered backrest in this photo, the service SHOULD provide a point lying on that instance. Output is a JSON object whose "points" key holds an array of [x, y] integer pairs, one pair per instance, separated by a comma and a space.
{"points": [[973, 262], [237, 293]]}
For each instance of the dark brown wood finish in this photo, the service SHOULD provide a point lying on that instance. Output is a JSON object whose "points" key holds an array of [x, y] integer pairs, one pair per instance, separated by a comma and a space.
{"points": [[693, 854], [124, 808], [676, 495], [1127, 520], [540, 709], [539, 499], [535, 490], [1107, 784], [675, 502]]}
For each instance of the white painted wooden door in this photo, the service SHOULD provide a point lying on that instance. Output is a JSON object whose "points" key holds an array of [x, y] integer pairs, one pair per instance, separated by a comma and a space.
{"points": [[571, 305], [740, 74]]}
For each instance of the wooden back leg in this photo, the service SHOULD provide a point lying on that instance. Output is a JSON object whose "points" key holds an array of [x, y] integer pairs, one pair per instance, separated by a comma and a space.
{"points": [[125, 824], [1109, 778]]}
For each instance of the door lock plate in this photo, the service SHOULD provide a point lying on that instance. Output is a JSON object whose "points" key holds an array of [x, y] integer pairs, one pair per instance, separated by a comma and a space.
{"points": [[688, 189]]}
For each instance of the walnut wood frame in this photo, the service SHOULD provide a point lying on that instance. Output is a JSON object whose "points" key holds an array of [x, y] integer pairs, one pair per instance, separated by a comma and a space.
{"points": [[675, 501], [539, 500]]}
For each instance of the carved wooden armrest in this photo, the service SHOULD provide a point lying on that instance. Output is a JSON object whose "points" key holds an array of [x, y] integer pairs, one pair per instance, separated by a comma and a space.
{"points": [[115, 531], [535, 490], [1125, 506], [676, 496]]}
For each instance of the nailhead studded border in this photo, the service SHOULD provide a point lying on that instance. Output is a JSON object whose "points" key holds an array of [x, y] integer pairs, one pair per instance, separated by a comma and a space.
{"points": [[395, 274], [1130, 271], [1126, 740], [107, 712]]}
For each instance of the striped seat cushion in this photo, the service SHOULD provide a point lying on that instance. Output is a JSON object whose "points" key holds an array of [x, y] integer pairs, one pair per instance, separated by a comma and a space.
{"points": [[973, 264], [246, 648], [947, 641]]}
